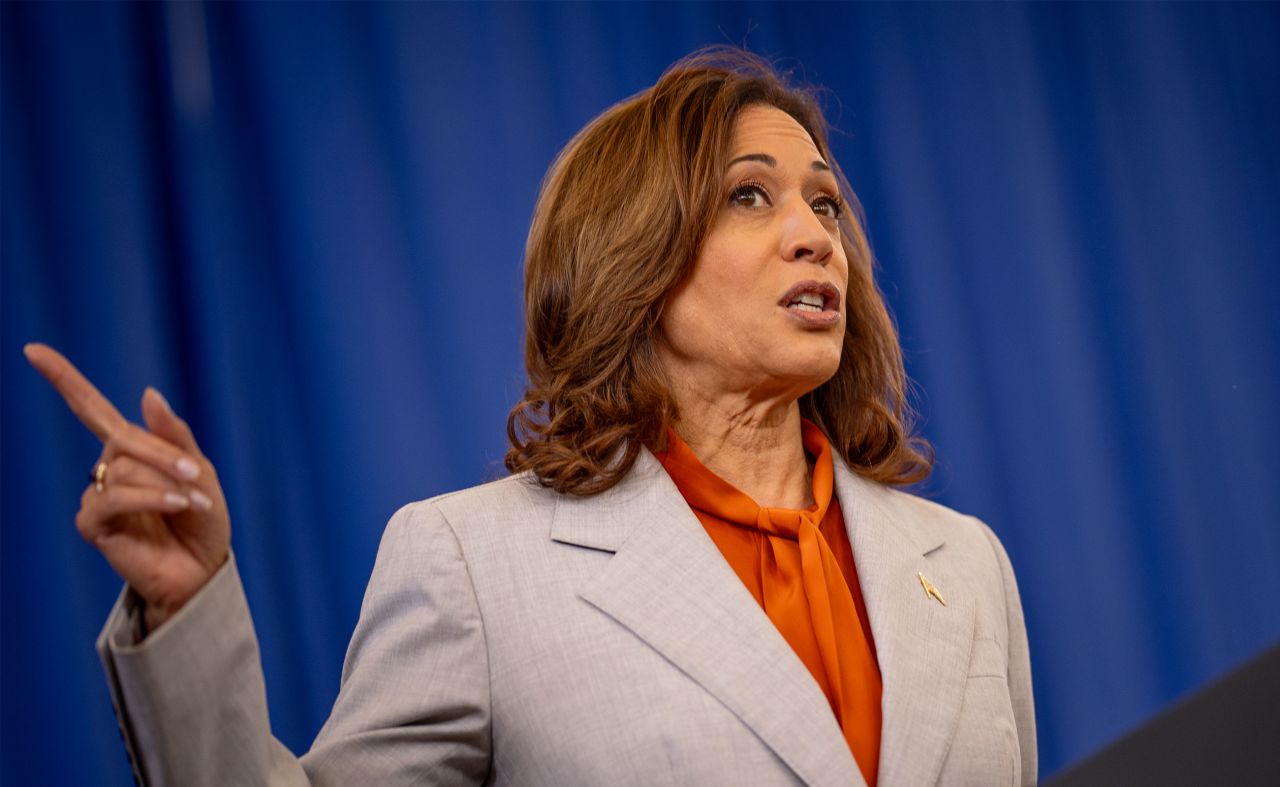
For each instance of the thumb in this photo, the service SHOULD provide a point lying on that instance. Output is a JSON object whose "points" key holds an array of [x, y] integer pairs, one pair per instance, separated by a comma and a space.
{"points": [[165, 423]]}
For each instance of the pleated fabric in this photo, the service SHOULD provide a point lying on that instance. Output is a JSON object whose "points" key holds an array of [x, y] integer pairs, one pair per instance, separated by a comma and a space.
{"points": [[799, 565]]}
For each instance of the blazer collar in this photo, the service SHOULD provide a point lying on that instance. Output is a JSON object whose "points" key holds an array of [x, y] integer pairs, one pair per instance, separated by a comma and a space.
{"points": [[923, 647], [670, 586]]}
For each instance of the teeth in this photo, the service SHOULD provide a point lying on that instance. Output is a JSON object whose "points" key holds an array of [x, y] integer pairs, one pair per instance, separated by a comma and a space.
{"points": [[807, 301]]}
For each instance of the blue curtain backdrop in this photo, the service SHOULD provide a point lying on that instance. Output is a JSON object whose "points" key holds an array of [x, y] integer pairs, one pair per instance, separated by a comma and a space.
{"points": [[304, 223]]}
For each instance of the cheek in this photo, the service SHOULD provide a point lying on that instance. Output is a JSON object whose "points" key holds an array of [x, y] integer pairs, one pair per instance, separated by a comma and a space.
{"points": [[689, 321], [722, 281], [842, 277], [841, 261], [708, 318]]}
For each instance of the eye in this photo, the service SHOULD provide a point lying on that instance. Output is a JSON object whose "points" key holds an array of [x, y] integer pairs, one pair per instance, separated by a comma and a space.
{"points": [[828, 206], [749, 195]]}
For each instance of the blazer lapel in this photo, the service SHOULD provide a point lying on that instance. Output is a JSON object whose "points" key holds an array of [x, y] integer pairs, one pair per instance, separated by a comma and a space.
{"points": [[670, 586], [923, 647]]}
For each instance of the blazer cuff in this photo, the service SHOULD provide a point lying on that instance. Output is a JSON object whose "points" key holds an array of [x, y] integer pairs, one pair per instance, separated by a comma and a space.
{"points": [[180, 677]]}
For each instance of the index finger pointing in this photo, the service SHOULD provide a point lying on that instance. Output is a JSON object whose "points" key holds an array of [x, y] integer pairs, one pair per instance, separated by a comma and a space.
{"points": [[90, 406]]}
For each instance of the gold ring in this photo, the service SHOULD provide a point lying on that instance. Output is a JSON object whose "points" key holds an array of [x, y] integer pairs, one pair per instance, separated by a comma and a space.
{"points": [[99, 476]]}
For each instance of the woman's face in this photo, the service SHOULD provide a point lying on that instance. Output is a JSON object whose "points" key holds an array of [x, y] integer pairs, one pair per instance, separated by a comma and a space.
{"points": [[762, 312]]}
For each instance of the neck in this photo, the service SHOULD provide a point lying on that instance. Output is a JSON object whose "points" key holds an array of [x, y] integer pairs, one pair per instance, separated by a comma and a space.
{"points": [[754, 445]]}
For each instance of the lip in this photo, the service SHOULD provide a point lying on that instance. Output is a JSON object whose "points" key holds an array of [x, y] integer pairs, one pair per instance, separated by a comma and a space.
{"points": [[830, 314]]}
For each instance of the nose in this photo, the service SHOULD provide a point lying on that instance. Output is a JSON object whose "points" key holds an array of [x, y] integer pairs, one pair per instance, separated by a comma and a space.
{"points": [[804, 237]]}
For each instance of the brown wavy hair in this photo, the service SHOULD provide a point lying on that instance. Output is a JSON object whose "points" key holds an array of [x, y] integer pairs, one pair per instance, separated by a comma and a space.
{"points": [[621, 216]]}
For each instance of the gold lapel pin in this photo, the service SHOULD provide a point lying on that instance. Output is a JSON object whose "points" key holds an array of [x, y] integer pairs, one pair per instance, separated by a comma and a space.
{"points": [[929, 589]]}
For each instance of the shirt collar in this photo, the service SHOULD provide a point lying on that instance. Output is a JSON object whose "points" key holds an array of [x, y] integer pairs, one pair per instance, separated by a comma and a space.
{"points": [[707, 492]]}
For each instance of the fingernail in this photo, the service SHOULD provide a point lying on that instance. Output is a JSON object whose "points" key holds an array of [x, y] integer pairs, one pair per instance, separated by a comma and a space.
{"points": [[163, 400], [176, 500], [188, 469], [200, 501]]}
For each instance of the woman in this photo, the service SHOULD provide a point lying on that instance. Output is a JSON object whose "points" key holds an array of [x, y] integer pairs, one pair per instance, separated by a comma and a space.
{"points": [[698, 571]]}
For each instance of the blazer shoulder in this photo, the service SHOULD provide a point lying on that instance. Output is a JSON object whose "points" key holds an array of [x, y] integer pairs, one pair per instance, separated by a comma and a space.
{"points": [[931, 522], [928, 510], [963, 540], [507, 501]]}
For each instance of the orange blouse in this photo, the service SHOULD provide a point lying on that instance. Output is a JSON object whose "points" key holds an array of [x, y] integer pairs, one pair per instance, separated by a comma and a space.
{"points": [[799, 566]]}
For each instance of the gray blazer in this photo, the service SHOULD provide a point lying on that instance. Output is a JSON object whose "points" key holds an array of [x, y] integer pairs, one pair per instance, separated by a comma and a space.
{"points": [[514, 636]]}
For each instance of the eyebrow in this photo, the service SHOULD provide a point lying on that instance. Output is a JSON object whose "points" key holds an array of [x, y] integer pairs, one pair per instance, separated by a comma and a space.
{"points": [[766, 159]]}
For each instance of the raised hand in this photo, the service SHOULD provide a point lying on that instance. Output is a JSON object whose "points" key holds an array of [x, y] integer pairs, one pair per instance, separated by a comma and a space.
{"points": [[154, 507]]}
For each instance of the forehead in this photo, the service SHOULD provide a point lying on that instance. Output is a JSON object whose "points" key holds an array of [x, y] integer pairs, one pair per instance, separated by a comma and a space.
{"points": [[766, 129]]}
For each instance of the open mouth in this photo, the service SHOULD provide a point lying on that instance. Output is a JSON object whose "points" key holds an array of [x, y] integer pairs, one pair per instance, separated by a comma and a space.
{"points": [[812, 297], [807, 302]]}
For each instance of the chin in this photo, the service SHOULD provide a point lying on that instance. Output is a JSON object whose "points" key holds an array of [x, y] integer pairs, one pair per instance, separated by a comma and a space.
{"points": [[810, 370], [823, 358]]}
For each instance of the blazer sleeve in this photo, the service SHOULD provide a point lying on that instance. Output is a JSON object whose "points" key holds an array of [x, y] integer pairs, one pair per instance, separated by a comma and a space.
{"points": [[413, 707], [1020, 693]]}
